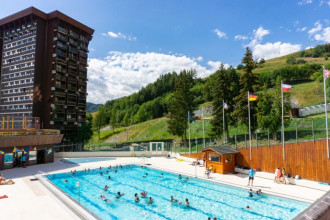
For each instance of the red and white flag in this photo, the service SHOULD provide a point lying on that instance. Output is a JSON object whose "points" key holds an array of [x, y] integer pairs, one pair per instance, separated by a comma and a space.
{"points": [[286, 87], [326, 73]]}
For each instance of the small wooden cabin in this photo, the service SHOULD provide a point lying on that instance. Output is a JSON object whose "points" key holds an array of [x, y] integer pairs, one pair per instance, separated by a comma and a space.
{"points": [[222, 158]]}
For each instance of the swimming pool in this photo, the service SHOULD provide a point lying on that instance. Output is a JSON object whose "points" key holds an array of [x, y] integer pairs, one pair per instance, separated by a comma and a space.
{"points": [[85, 159], [207, 199]]}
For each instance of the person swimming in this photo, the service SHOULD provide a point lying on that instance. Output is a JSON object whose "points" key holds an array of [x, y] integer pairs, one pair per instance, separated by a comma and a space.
{"points": [[143, 194], [186, 179], [101, 174], [66, 181], [248, 207], [150, 200], [105, 188], [180, 177], [105, 199], [161, 175], [259, 192], [100, 168], [250, 193], [187, 203], [145, 175], [119, 195], [106, 172], [109, 177], [171, 199], [115, 171], [136, 198]]}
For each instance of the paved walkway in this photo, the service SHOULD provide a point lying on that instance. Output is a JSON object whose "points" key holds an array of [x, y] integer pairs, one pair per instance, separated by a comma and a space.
{"points": [[29, 199]]}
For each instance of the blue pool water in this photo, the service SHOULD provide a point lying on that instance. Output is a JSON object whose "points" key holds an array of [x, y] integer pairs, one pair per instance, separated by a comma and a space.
{"points": [[206, 199], [86, 160]]}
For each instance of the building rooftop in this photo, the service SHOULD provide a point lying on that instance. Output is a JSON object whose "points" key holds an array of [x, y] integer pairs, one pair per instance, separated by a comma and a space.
{"points": [[222, 150]]}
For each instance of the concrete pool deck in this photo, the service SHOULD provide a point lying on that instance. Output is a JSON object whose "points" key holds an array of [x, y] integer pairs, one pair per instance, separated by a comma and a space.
{"points": [[31, 200]]}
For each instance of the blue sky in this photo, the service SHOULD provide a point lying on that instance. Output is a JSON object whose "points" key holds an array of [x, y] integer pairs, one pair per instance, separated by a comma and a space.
{"points": [[136, 41]]}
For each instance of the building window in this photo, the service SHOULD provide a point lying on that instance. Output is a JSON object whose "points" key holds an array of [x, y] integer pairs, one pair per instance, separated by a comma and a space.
{"points": [[32, 157], [228, 158], [214, 157]]}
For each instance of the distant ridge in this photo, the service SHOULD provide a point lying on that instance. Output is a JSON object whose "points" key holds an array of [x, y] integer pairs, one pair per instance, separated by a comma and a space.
{"points": [[91, 107]]}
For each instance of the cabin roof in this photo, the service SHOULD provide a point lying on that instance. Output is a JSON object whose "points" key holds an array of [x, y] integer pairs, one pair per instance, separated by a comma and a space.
{"points": [[222, 150]]}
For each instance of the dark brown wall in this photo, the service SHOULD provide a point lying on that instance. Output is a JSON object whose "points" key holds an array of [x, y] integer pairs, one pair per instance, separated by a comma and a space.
{"points": [[306, 159], [14, 141]]}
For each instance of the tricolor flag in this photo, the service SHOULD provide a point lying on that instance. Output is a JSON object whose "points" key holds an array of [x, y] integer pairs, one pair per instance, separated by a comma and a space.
{"points": [[225, 106], [326, 73], [286, 87], [252, 97]]}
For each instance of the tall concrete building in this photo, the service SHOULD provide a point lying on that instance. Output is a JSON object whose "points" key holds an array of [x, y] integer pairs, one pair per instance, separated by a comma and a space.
{"points": [[44, 69]]}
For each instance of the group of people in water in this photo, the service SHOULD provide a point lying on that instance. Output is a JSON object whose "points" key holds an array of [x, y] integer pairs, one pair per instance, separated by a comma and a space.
{"points": [[175, 201], [258, 193]]}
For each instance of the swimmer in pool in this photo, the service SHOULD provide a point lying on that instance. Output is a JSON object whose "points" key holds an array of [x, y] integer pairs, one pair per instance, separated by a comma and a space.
{"points": [[248, 207], [119, 195], [187, 203], [161, 175], [145, 175], [180, 177], [171, 199], [186, 179], [150, 200], [105, 188], [143, 194], [251, 193], [109, 177], [136, 198], [259, 192]]}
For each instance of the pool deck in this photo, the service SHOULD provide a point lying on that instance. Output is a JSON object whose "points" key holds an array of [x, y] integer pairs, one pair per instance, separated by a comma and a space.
{"points": [[31, 200]]}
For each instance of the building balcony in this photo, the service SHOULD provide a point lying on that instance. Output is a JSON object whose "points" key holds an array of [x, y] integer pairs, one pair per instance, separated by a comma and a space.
{"points": [[60, 86], [60, 94], [21, 101], [61, 30], [74, 35], [70, 103], [27, 109], [20, 85]]}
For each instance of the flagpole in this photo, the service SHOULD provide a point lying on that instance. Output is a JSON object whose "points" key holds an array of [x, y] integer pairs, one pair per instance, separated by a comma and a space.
{"points": [[203, 127], [326, 115], [249, 125], [283, 139], [223, 122], [189, 134]]}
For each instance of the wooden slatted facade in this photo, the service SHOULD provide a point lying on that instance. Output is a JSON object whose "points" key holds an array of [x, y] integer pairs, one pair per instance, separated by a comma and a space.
{"points": [[306, 159]]}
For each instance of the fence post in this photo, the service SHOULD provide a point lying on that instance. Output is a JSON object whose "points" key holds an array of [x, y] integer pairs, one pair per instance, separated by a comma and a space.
{"points": [[313, 131], [236, 141], [245, 141], [297, 132], [257, 139], [268, 137]]}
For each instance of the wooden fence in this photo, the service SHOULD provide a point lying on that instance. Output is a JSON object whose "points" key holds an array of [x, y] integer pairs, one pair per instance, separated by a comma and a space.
{"points": [[306, 159]]}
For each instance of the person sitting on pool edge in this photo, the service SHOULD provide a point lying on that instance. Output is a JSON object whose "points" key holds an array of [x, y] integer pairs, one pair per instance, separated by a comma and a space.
{"points": [[136, 198], [150, 200], [119, 195]]}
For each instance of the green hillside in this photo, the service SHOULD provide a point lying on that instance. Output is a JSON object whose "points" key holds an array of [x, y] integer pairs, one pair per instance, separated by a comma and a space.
{"points": [[143, 110]]}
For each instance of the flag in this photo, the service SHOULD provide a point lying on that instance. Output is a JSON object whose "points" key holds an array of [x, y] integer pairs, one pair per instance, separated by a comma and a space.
{"points": [[16, 150], [190, 117], [49, 151], [225, 106], [326, 73], [252, 97], [286, 87], [2, 152]]}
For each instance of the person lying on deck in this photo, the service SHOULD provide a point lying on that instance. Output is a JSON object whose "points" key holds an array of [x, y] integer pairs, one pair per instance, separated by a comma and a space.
{"points": [[4, 182]]}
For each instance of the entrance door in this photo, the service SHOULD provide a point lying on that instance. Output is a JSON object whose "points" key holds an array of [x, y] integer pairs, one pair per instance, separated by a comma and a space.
{"points": [[41, 156]]}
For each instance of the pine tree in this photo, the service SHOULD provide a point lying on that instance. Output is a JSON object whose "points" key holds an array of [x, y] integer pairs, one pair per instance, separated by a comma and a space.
{"points": [[225, 89], [181, 103], [248, 83]]}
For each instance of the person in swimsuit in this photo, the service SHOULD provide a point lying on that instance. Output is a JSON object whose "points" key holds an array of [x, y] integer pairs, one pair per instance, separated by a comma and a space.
{"points": [[250, 193], [171, 199], [180, 177], [119, 195], [150, 200], [136, 198], [187, 203]]}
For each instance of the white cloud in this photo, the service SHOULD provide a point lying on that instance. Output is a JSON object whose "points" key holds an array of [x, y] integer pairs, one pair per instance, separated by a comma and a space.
{"points": [[258, 36], [121, 74], [241, 37], [199, 58], [302, 29], [271, 50], [220, 34], [323, 36], [324, 2], [305, 2], [118, 35], [309, 47], [317, 28]]}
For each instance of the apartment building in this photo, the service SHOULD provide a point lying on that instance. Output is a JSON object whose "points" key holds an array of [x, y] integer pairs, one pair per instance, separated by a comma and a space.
{"points": [[44, 69]]}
